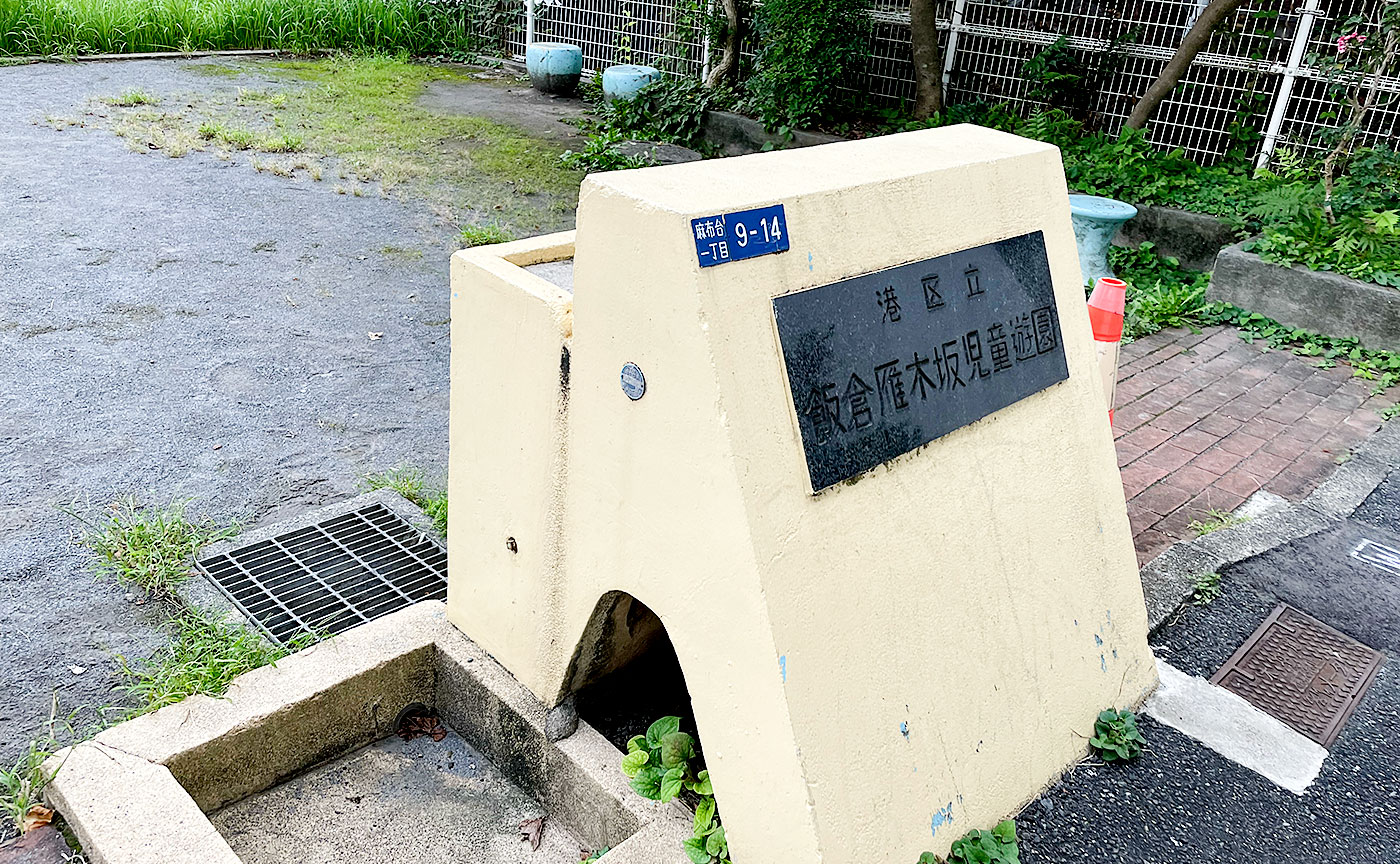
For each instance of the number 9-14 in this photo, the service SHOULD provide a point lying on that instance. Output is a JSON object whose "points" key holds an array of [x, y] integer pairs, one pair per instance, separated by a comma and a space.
{"points": [[771, 231]]}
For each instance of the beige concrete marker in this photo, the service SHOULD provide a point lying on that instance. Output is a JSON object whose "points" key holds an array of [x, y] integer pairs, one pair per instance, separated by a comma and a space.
{"points": [[876, 667]]}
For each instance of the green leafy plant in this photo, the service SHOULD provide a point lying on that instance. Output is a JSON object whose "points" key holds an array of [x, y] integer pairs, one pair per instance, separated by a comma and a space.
{"points": [[663, 764], [670, 110], [1352, 229], [149, 548], [997, 846], [1161, 293], [1382, 368], [601, 153], [592, 857], [808, 49], [1070, 80], [1116, 737], [1206, 589]]}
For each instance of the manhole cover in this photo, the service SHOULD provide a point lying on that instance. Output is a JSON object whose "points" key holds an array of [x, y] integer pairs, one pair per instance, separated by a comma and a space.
{"points": [[326, 578], [1302, 672]]}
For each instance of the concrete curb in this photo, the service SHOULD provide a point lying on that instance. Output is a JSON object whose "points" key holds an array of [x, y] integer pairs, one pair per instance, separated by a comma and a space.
{"points": [[1313, 300], [1169, 579], [1194, 239], [137, 794]]}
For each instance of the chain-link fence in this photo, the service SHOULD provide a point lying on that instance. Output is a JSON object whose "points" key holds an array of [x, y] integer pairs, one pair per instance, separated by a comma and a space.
{"points": [[1253, 86]]}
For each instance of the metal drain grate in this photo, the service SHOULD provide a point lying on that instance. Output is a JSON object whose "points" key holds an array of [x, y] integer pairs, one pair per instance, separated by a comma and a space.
{"points": [[327, 578], [1301, 671]]}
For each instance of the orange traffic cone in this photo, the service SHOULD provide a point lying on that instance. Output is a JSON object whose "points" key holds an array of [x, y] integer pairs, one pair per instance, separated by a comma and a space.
{"points": [[1106, 318]]}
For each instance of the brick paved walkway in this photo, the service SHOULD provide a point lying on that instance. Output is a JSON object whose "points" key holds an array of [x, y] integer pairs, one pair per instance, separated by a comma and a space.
{"points": [[1204, 420]]}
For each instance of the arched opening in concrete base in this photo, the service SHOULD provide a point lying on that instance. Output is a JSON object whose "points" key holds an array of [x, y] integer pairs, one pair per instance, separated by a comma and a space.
{"points": [[625, 673]]}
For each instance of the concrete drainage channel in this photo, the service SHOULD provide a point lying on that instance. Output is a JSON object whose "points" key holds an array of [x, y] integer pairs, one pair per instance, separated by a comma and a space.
{"points": [[154, 789]]}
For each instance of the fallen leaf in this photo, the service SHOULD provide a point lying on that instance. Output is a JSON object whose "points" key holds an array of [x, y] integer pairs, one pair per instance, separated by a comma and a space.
{"points": [[532, 830], [375, 337], [420, 725], [38, 816]]}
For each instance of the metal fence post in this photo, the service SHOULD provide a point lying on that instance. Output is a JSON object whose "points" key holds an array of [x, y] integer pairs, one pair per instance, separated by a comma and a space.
{"points": [[1284, 98], [705, 46], [529, 21], [950, 54]]}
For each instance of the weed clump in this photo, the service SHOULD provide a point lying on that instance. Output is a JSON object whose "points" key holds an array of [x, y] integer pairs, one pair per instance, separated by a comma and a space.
{"points": [[205, 653], [1116, 736], [484, 235], [412, 484], [148, 548], [131, 99]]}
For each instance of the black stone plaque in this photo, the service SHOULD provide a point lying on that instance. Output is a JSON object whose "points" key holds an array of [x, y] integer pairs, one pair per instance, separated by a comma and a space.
{"points": [[883, 363]]}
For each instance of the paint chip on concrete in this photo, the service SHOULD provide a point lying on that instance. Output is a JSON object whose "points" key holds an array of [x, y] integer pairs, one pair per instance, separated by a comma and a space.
{"points": [[1235, 729]]}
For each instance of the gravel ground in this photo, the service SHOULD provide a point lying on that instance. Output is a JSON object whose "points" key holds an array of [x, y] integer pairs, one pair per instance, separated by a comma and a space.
{"points": [[1182, 802], [183, 329]]}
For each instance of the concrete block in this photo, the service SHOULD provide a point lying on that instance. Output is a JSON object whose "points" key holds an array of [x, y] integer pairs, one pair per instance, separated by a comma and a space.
{"points": [[735, 135], [491, 710], [278, 720], [135, 794], [126, 810], [586, 787], [1194, 239], [1321, 302], [658, 843]]}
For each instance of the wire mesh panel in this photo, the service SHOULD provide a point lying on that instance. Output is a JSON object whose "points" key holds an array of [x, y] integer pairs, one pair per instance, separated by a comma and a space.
{"points": [[666, 33], [1223, 105], [327, 578], [1316, 104]]}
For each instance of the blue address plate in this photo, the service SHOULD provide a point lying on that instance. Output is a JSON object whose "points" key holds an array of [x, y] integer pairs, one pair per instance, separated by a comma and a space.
{"points": [[737, 236]]}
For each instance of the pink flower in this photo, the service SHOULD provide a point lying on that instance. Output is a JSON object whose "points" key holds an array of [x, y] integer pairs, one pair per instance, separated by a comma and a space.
{"points": [[1347, 42]]}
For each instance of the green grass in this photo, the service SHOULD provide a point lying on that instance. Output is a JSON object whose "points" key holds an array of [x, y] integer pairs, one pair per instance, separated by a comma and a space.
{"points": [[22, 784], [364, 112], [484, 235], [69, 27], [205, 653], [132, 98], [412, 484], [1216, 519], [280, 144], [149, 548], [237, 139]]}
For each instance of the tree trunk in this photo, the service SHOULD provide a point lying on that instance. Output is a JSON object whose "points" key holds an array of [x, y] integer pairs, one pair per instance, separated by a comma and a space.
{"points": [[928, 60], [726, 71], [1195, 41]]}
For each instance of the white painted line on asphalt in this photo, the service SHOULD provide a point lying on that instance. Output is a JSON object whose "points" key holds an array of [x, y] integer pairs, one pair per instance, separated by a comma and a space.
{"points": [[1235, 729], [1387, 558]]}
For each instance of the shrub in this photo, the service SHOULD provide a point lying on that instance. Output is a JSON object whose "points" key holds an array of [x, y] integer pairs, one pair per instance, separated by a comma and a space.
{"points": [[808, 50]]}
